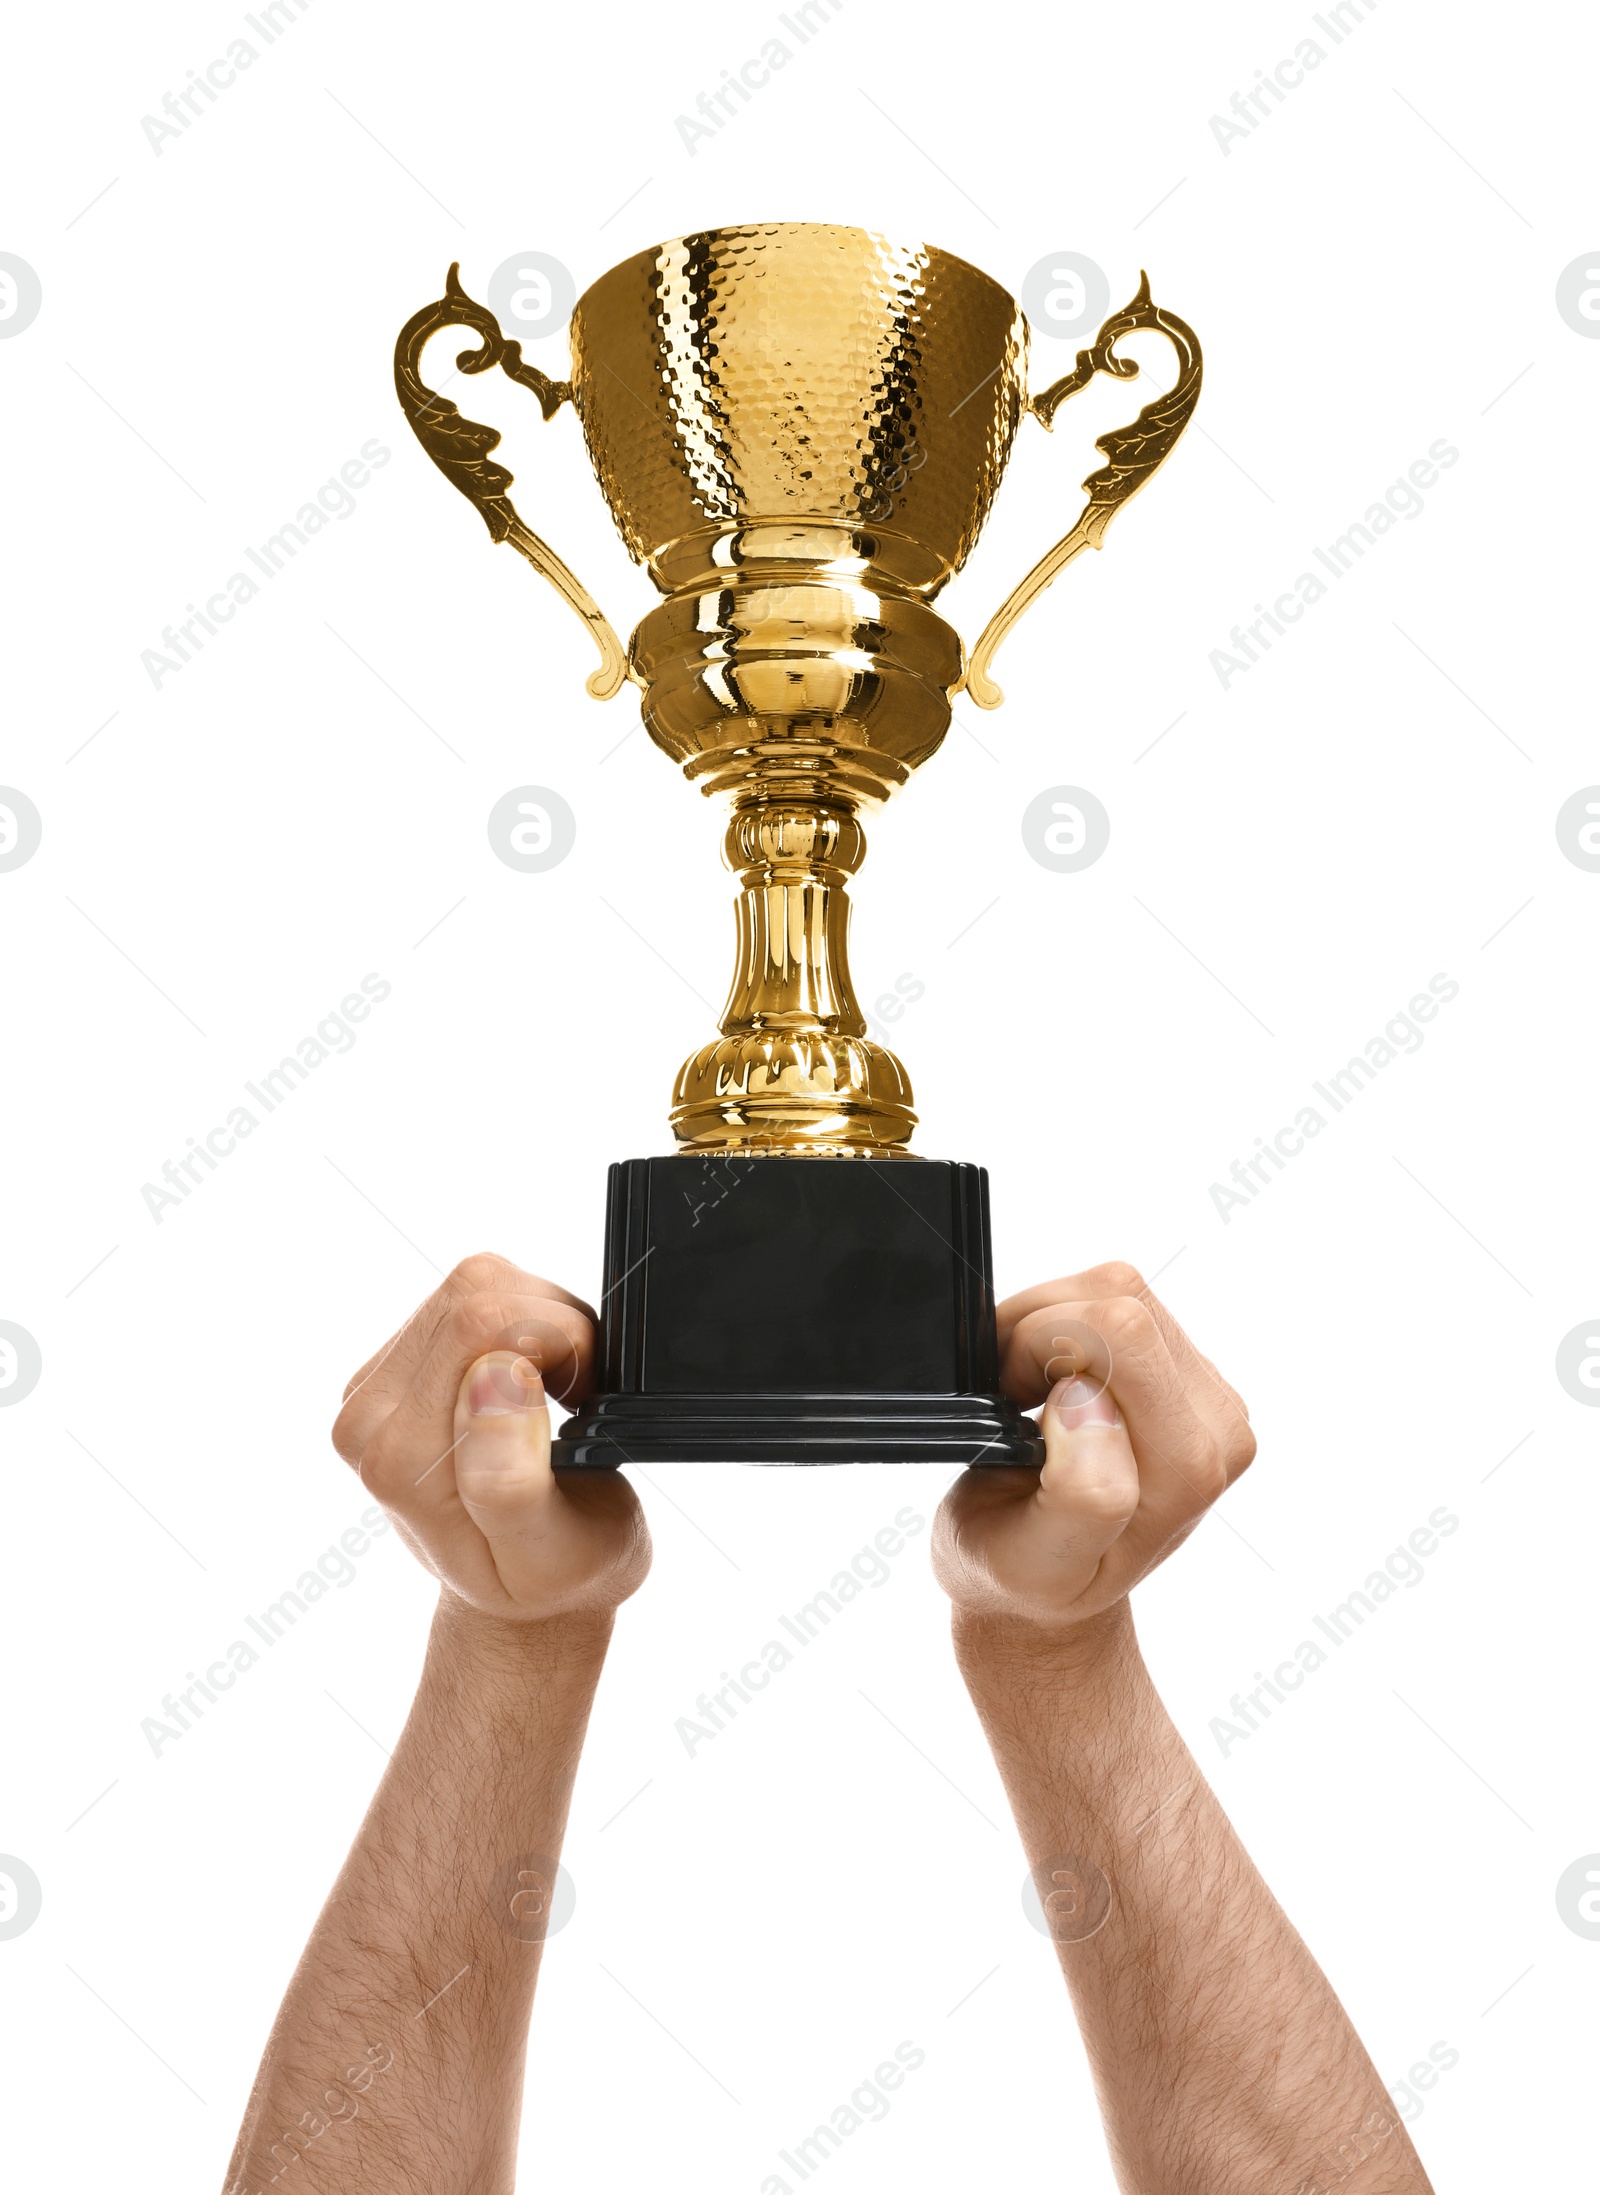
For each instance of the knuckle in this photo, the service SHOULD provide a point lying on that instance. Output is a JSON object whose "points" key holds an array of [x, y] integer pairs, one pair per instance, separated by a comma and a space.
{"points": [[483, 1270], [556, 1321], [1210, 1467], [1105, 1501], [475, 1321], [345, 1435], [382, 1461], [1126, 1324], [1241, 1451], [1062, 1346]]}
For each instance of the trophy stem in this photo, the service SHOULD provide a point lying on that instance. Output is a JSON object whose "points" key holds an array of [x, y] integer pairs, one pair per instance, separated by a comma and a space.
{"points": [[793, 861], [794, 1070]]}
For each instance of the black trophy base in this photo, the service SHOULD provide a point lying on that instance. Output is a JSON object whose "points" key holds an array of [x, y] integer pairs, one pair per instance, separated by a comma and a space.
{"points": [[797, 1311]]}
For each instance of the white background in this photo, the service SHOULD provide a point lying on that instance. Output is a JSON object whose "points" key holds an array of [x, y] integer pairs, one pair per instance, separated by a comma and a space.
{"points": [[1372, 269]]}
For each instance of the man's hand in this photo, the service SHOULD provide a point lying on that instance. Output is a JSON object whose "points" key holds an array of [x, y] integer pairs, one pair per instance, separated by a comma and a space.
{"points": [[1141, 1432], [423, 1963], [447, 1425], [1269, 2086]]}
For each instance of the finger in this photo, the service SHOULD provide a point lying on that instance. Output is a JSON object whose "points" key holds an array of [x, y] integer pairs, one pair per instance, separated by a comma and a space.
{"points": [[421, 1486], [1182, 1468], [1089, 1489], [559, 1342], [1073, 1288], [484, 1512], [548, 1542], [1115, 1279], [485, 1273], [501, 1452], [1212, 1398], [391, 1366], [418, 1415], [1058, 1341], [1039, 1540]]}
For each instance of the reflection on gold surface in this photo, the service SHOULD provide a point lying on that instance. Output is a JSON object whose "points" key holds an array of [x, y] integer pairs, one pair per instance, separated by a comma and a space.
{"points": [[799, 429]]}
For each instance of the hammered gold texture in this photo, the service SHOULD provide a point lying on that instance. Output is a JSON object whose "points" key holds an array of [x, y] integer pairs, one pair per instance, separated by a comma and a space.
{"points": [[799, 429], [799, 370]]}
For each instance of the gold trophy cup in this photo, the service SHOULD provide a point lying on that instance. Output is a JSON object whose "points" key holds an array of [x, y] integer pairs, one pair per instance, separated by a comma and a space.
{"points": [[799, 429]]}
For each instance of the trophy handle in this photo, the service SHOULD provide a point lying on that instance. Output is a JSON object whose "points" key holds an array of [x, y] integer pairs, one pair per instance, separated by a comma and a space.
{"points": [[460, 448], [1135, 452]]}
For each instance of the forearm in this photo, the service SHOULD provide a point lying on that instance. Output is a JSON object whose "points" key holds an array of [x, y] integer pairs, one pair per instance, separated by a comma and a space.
{"points": [[1224, 2063], [396, 2060]]}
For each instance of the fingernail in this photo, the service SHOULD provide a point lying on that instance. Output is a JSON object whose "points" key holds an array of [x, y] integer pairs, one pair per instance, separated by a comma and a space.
{"points": [[495, 1390], [1083, 1402]]}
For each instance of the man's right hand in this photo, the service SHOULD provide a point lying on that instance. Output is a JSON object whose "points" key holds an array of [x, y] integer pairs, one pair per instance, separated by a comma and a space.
{"points": [[447, 1425]]}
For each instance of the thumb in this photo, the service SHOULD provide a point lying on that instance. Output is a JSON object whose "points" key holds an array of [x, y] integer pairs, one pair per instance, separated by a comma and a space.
{"points": [[1089, 1487], [502, 1431]]}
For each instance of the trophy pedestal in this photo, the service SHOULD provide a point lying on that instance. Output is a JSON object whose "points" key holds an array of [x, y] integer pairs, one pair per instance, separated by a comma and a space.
{"points": [[797, 1311]]}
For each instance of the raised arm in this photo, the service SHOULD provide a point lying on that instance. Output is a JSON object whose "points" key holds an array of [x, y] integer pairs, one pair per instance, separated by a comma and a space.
{"points": [[1224, 2063], [396, 2060]]}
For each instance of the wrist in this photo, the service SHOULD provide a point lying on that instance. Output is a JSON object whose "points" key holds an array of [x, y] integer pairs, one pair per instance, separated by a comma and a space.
{"points": [[496, 1652], [1075, 1655]]}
